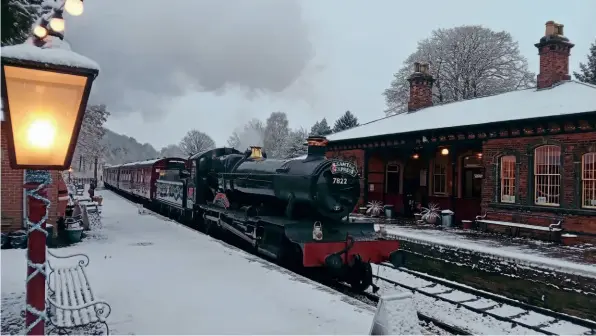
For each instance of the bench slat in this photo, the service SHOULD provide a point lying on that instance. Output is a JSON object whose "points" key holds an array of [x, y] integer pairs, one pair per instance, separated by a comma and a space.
{"points": [[80, 299], [66, 320], [86, 296], [70, 289], [525, 226], [58, 293], [87, 293]]}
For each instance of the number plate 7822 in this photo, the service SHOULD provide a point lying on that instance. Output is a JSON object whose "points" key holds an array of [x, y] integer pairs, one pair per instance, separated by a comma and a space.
{"points": [[340, 180]]}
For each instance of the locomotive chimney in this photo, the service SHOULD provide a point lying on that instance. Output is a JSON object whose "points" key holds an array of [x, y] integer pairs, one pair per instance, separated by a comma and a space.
{"points": [[317, 146], [255, 152]]}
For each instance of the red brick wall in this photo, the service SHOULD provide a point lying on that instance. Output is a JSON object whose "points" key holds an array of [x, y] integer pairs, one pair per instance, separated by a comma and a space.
{"points": [[572, 147], [11, 190], [554, 65], [420, 92]]}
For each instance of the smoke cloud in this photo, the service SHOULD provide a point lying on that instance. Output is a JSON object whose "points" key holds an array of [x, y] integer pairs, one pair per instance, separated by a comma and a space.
{"points": [[151, 51]]}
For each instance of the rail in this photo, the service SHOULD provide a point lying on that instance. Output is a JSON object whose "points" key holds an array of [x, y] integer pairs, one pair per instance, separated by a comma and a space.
{"points": [[499, 301]]}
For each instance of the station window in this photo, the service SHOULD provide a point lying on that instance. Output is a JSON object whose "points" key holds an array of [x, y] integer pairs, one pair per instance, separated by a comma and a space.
{"points": [[392, 179], [440, 175], [508, 179], [547, 175], [589, 180]]}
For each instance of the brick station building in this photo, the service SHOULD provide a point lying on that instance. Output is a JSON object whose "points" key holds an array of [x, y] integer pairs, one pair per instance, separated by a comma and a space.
{"points": [[524, 154]]}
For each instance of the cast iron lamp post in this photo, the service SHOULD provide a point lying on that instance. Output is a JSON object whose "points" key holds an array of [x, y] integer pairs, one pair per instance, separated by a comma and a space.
{"points": [[45, 89]]}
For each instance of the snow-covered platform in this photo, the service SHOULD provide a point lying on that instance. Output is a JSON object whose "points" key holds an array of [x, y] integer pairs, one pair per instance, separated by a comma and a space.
{"points": [[568, 259], [162, 278]]}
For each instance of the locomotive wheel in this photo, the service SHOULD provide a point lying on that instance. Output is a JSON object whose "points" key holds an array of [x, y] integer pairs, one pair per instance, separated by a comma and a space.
{"points": [[361, 276]]}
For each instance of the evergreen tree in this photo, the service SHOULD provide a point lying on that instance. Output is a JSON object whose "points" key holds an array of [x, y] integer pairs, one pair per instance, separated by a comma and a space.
{"points": [[348, 120], [17, 18], [587, 72], [321, 128], [314, 130]]}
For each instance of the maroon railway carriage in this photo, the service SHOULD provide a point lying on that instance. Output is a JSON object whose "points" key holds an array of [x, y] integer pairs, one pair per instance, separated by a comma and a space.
{"points": [[139, 178]]}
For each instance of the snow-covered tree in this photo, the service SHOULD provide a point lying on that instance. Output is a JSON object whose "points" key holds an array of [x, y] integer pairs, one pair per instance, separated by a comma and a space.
{"points": [[89, 143], [587, 73], [321, 128], [466, 62], [252, 134], [348, 120], [172, 151], [294, 145], [17, 18], [276, 132], [195, 142]]}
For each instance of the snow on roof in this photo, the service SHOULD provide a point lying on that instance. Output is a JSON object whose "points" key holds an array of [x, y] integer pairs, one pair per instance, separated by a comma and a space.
{"points": [[57, 56], [141, 163], [567, 98]]}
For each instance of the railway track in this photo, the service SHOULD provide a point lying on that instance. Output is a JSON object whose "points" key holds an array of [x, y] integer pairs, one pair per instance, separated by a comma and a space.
{"points": [[467, 300], [485, 304]]}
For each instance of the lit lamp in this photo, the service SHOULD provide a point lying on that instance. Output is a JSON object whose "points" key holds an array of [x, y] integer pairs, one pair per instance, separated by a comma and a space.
{"points": [[45, 88], [44, 102], [444, 151]]}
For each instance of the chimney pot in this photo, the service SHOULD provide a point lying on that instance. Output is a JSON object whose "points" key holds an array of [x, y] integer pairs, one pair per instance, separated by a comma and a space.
{"points": [[416, 66], [317, 146], [550, 28], [554, 50]]}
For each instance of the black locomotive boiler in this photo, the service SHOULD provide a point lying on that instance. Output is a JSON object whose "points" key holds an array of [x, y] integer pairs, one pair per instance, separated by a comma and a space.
{"points": [[291, 210]]}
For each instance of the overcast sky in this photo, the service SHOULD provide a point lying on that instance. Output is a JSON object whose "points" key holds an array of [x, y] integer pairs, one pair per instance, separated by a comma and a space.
{"points": [[171, 66]]}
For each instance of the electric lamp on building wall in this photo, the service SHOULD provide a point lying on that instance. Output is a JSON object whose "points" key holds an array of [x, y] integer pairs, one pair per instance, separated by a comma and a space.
{"points": [[444, 151], [45, 93]]}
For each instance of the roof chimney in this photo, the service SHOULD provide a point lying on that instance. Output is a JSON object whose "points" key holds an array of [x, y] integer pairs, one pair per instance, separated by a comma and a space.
{"points": [[317, 146], [554, 50], [421, 84]]}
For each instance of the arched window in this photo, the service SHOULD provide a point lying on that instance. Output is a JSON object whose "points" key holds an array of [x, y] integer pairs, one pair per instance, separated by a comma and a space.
{"points": [[507, 175], [588, 175], [392, 179], [547, 175]]}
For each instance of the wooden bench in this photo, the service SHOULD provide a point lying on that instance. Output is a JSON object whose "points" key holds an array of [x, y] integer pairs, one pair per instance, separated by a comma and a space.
{"points": [[519, 224], [71, 302]]}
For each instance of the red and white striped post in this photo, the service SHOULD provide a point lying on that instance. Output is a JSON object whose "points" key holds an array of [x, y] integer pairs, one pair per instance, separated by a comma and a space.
{"points": [[38, 207]]}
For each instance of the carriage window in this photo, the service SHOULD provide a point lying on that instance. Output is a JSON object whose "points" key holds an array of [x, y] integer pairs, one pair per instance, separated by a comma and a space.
{"points": [[392, 179], [547, 175]]}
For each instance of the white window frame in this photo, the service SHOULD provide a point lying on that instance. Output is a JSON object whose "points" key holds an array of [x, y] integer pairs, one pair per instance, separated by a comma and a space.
{"points": [[387, 172], [547, 177], [588, 203], [441, 162], [507, 177]]}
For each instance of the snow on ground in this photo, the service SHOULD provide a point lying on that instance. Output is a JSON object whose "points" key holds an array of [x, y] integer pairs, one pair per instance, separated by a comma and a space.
{"points": [[162, 278], [521, 253], [462, 317]]}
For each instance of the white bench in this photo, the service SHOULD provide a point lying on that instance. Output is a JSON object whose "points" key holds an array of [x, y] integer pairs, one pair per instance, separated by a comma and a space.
{"points": [[71, 302], [554, 229]]}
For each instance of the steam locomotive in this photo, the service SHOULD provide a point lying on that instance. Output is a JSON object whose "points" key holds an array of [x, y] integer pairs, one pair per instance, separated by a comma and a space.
{"points": [[295, 211]]}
